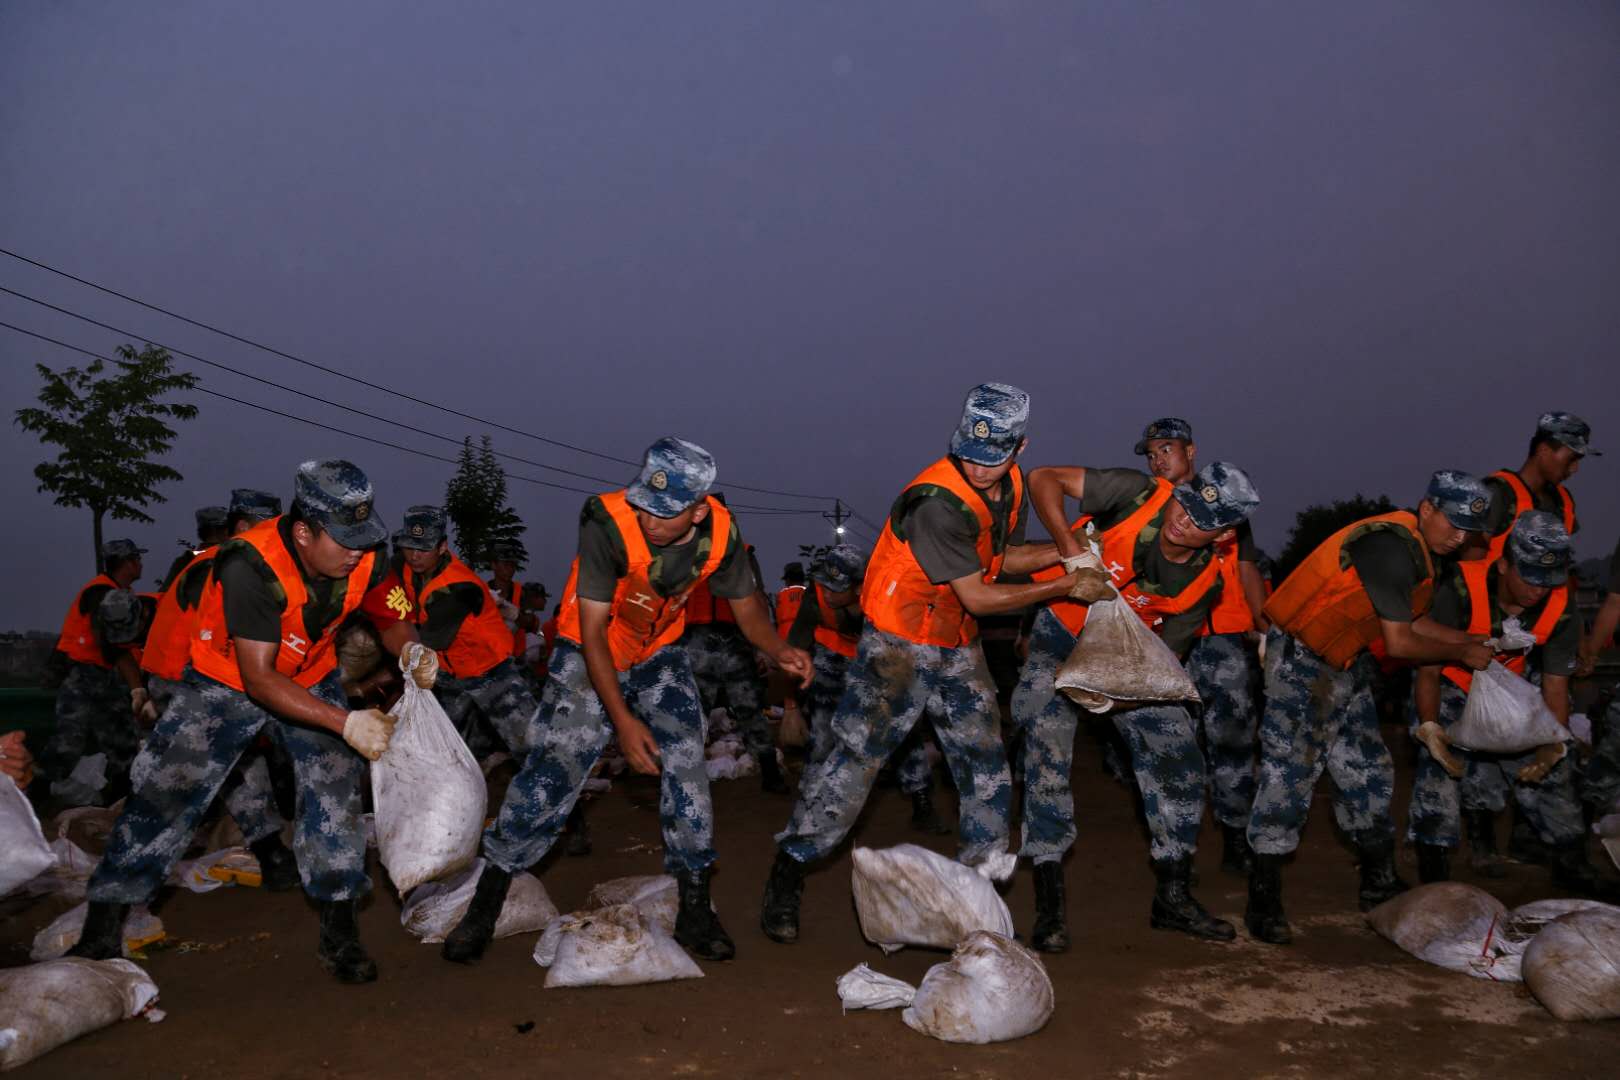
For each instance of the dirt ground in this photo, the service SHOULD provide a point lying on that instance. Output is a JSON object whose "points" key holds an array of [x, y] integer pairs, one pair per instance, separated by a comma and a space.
{"points": [[245, 998]]}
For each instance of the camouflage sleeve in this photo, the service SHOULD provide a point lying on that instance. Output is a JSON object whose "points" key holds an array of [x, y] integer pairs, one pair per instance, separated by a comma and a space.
{"points": [[1384, 562], [735, 578], [189, 589], [1559, 655], [252, 598], [1111, 494]]}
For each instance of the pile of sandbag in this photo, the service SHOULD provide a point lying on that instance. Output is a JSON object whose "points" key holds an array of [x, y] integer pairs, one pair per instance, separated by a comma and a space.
{"points": [[726, 758], [623, 936], [434, 908], [909, 895], [45, 1005], [141, 928]]}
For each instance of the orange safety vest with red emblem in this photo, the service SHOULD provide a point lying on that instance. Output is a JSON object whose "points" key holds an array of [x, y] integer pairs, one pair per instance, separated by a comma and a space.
{"points": [[641, 622], [78, 639], [305, 662], [898, 598], [168, 639], [827, 633], [702, 606], [787, 608], [1231, 614], [1119, 557], [1523, 503], [1476, 575], [1323, 603], [482, 640]]}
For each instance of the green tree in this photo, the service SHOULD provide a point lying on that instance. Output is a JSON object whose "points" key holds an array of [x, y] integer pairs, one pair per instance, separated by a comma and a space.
{"points": [[110, 426], [475, 502], [1316, 523]]}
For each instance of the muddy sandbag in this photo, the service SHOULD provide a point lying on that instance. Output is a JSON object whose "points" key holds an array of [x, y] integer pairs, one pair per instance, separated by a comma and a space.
{"points": [[1118, 659], [862, 988], [434, 908], [27, 855], [68, 875], [656, 895], [992, 989], [141, 928], [908, 895], [45, 1005], [1573, 965], [1520, 927], [1505, 714], [1446, 923], [615, 946]]}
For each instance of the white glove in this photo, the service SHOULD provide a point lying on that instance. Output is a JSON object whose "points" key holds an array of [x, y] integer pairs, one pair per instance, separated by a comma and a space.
{"points": [[420, 663], [1547, 756], [368, 731]]}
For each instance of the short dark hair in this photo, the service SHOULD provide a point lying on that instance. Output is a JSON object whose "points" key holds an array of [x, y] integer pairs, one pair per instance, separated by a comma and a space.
{"points": [[1540, 438], [117, 562]]}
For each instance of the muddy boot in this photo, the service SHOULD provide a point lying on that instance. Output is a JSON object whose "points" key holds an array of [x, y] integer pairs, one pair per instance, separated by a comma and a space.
{"points": [[1264, 916], [779, 914], [1379, 881], [1051, 931], [472, 935], [1236, 858], [340, 951], [771, 780], [579, 833], [103, 934], [1434, 863], [1572, 871], [1174, 908], [278, 870], [924, 818], [697, 928], [1480, 826]]}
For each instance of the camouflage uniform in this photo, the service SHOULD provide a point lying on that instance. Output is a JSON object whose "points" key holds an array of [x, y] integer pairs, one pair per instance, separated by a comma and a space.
{"points": [[889, 686], [723, 666], [1225, 669], [1164, 754], [503, 696], [1550, 807], [1599, 782], [198, 740], [567, 735], [912, 769], [93, 714]]}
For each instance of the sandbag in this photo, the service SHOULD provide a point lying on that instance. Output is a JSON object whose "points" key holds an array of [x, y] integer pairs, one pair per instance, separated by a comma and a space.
{"points": [[67, 876], [656, 895], [434, 908], [428, 794], [45, 1005], [141, 928], [908, 895], [1504, 714], [992, 989], [1520, 927], [1447, 923], [217, 869], [862, 988], [27, 855], [616, 946], [1118, 659], [1573, 965]]}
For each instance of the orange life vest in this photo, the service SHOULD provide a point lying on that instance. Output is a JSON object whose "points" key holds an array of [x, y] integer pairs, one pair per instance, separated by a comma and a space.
{"points": [[520, 636], [787, 608], [1523, 503], [305, 662], [641, 622], [1231, 613], [898, 598], [168, 639], [1476, 575], [702, 606], [827, 633], [1119, 556], [78, 639], [482, 640], [1323, 603]]}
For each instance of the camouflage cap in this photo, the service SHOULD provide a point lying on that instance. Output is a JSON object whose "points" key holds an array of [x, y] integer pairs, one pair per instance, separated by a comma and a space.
{"points": [[255, 504], [1166, 427], [840, 568], [674, 475], [120, 614], [212, 518], [1568, 429], [1463, 498], [120, 549], [423, 529], [994, 418], [1219, 496], [1539, 549], [337, 496]]}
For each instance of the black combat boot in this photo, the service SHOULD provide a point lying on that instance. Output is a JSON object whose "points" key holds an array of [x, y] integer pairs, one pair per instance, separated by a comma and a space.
{"points": [[1264, 916], [340, 951], [697, 928], [1236, 858], [103, 934], [779, 914], [1525, 844], [1434, 863], [924, 818], [1174, 907], [1572, 871], [579, 833], [278, 870], [1379, 881], [771, 780], [1051, 931], [1480, 827], [472, 935]]}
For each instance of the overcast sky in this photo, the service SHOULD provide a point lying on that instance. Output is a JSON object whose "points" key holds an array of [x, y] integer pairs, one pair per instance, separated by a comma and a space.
{"points": [[1350, 242]]}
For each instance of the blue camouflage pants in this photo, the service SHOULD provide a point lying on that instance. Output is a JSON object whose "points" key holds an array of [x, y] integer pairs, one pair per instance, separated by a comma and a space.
{"points": [[1224, 668], [93, 715], [198, 740], [1599, 783], [567, 735], [1164, 755], [248, 795], [1318, 718], [821, 701], [724, 669], [890, 684], [503, 697]]}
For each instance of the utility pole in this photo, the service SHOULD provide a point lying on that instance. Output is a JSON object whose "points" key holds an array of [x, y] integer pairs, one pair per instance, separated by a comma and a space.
{"points": [[837, 518]]}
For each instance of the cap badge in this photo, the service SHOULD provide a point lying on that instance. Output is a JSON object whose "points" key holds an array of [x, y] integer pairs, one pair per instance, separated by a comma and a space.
{"points": [[981, 430], [362, 512], [1210, 493], [1549, 558], [658, 481], [418, 530], [1152, 432], [1477, 506]]}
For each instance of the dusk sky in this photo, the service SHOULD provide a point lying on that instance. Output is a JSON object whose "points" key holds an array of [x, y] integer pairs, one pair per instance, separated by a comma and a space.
{"points": [[1351, 242]]}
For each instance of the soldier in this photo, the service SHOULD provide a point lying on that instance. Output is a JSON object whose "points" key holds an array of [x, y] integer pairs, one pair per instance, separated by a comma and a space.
{"points": [[953, 530], [1160, 545], [786, 606], [1561, 440], [96, 703], [211, 532], [1370, 581], [522, 604], [1223, 662], [618, 669], [264, 658], [1525, 584]]}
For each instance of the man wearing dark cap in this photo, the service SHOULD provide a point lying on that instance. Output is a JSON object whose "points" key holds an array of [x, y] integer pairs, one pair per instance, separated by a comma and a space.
{"points": [[264, 658], [1158, 544], [1561, 440], [95, 704], [1223, 663], [1523, 588], [1370, 581], [955, 528], [212, 529], [618, 668], [522, 604]]}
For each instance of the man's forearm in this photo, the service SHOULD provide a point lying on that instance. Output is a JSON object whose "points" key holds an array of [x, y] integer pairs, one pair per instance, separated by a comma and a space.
{"points": [[1426, 694], [1555, 692], [279, 695], [982, 599], [1407, 643], [756, 625], [1029, 558]]}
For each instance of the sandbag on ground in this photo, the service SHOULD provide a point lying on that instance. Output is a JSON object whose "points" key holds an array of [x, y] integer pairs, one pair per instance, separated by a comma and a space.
{"points": [[615, 946], [992, 989], [434, 909], [1446, 923], [1573, 965], [141, 928], [908, 895], [45, 1005]]}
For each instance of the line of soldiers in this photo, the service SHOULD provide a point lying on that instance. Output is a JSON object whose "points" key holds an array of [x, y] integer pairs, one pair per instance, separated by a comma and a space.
{"points": [[876, 645]]}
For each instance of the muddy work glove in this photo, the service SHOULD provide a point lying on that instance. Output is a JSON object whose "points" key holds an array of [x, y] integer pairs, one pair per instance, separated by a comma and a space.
{"points": [[1547, 756], [1433, 736], [141, 704], [368, 731], [420, 663], [1091, 586]]}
